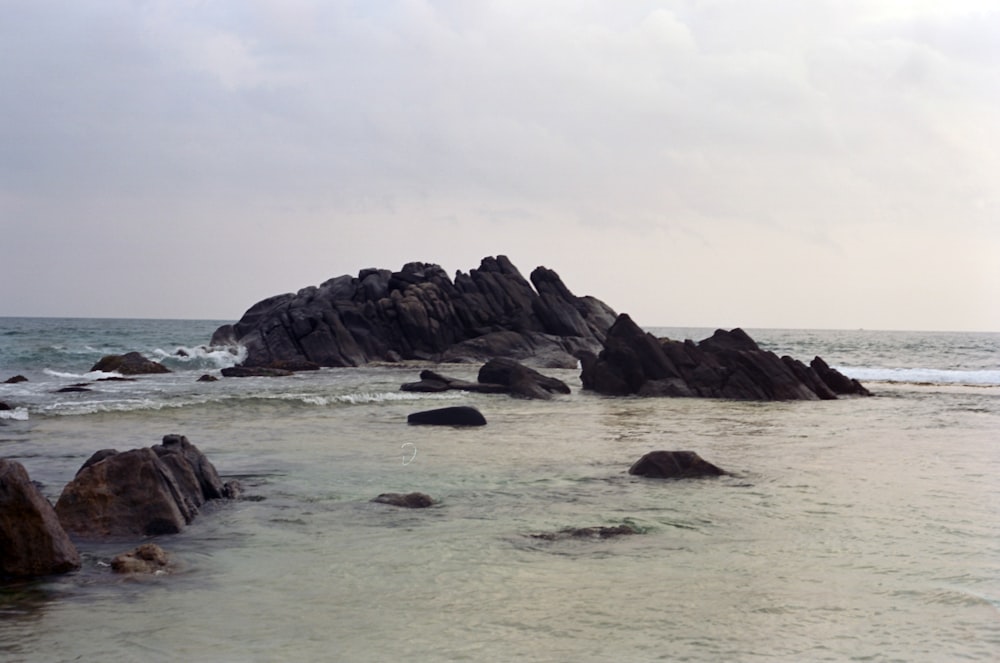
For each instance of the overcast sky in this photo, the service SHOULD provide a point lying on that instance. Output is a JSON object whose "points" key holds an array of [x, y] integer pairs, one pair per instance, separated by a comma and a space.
{"points": [[788, 163]]}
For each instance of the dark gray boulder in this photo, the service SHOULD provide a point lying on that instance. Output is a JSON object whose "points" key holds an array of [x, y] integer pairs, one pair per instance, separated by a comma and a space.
{"points": [[32, 541], [728, 365], [419, 313], [674, 465], [461, 415]]}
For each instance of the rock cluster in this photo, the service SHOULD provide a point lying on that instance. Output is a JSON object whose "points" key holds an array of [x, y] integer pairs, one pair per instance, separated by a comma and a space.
{"points": [[729, 365], [148, 491], [501, 375], [419, 313]]}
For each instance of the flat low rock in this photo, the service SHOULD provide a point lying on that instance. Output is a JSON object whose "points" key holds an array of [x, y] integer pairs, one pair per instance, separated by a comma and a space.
{"points": [[405, 500], [459, 415], [674, 465], [32, 541]]}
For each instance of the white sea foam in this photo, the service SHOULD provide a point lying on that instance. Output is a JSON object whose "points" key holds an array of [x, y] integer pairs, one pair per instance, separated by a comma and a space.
{"points": [[90, 375], [922, 375], [203, 356], [17, 414]]}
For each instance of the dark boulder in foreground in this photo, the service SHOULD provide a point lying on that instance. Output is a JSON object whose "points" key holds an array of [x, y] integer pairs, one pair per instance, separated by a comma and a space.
{"points": [[674, 465], [460, 415], [142, 492], [729, 365], [32, 541], [498, 376], [131, 363], [407, 500], [419, 313]]}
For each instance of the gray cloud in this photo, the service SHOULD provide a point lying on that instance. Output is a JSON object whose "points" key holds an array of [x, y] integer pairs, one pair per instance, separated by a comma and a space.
{"points": [[216, 153]]}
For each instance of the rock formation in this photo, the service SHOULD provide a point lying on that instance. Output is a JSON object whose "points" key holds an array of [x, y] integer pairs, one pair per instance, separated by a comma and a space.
{"points": [[419, 313], [32, 542], [141, 492], [727, 365], [674, 465]]}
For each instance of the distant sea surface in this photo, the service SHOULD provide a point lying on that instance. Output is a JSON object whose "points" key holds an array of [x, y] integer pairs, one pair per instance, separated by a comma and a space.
{"points": [[861, 529]]}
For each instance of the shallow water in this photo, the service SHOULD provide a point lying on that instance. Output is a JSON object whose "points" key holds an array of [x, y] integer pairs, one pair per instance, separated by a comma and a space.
{"points": [[858, 529]]}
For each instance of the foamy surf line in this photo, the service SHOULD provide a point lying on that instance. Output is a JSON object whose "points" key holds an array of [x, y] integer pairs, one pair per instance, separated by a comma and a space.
{"points": [[988, 378]]}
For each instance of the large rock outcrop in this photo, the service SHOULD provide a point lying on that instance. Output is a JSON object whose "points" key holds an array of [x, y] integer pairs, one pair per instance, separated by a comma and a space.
{"points": [[419, 313], [142, 492], [729, 365], [32, 542]]}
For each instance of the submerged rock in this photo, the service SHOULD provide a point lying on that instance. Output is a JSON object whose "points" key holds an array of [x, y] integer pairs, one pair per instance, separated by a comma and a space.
{"points": [[419, 313], [32, 541], [727, 365], [602, 532], [15, 379], [131, 363], [460, 415], [255, 372], [407, 500], [674, 465], [140, 492]]}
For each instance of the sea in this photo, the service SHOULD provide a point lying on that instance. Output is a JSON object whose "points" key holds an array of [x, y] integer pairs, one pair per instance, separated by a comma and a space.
{"points": [[859, 529]]}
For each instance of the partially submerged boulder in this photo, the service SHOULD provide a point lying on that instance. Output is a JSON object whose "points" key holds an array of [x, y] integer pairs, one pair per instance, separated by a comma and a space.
{"points": [[32, 541], [459, 415], [140, 492], [405, 500], [728, 365], [674, 465], [130, 363]]}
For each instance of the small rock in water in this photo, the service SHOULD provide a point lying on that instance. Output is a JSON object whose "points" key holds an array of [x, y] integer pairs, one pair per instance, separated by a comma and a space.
{"points": [[208, 378], [409, 500], [588, 533], [148, 558], [674, 465], [15, 379]]}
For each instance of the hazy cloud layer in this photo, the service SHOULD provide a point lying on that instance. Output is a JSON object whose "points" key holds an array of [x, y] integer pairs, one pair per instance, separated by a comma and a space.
{"points": [[722, 163]]}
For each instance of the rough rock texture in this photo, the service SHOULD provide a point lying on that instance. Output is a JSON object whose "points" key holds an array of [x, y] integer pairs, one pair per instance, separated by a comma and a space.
{"points": [[131, 363], [497, 376], [419, 313], [143, 492], [32, 542], [674, 465], [148, 558], [407, 500], [461, 415], [727, 365]]}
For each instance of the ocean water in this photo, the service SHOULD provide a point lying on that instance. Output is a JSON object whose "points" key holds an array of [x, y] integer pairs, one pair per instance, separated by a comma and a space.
{"points": [[852, 530]]}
